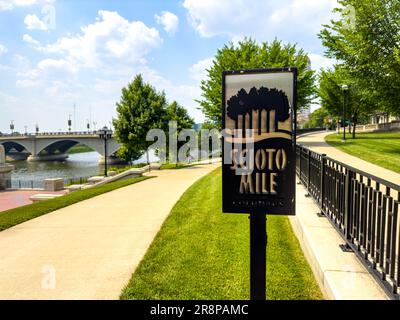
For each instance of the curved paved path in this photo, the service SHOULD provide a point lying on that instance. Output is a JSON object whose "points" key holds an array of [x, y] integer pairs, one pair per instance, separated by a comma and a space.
{"points": [[90, 249], [316, 142]]}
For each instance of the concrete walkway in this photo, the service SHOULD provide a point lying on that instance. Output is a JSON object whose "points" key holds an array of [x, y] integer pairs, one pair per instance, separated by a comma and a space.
{"points": [[316, 142], [89, 250]]}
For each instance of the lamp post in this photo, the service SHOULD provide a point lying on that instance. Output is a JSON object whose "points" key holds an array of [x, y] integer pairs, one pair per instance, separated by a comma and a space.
{"points": [[69, 123], [12, 126], [345, 88], [105, 134], [37, 128]]}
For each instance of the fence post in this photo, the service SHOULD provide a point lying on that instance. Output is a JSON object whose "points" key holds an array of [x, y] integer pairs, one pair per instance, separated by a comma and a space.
{"points": [[300, 154], [308, 170], [347, 195], [322, 178]]}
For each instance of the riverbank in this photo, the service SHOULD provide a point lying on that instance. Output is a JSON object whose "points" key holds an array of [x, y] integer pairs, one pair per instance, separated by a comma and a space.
{"points": [[79, 148], [11, 199]]}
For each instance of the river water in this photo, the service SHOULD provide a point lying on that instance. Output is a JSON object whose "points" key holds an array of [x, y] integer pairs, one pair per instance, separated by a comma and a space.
{"points": [[81, 165]]}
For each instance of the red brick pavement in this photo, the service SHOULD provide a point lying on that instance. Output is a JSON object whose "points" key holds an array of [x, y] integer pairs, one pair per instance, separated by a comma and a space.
{"points": [[13, 199]]}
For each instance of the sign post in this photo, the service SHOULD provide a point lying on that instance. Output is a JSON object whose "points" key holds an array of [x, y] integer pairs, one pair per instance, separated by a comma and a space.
{"points": [[259, 148]]}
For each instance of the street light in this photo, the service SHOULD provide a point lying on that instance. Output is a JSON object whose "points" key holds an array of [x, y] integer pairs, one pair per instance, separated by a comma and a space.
{"points": [[345, 88], [69, 123], [105, 134], [12, 126]]}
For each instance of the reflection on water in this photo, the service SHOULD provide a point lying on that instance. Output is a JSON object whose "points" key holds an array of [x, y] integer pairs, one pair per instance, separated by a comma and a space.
{"points": [[76, 166], [81, 165]]}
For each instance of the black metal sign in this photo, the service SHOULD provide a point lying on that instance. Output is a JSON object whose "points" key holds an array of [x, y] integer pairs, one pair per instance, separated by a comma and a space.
{"points": [[259, 122]]}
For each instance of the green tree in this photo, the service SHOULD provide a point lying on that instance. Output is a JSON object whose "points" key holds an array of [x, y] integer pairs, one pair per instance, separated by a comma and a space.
{"points": [[358, 103], [318, 118], [141, 108], [248, 54], [176, 112], [365, 39], [179, 114]]}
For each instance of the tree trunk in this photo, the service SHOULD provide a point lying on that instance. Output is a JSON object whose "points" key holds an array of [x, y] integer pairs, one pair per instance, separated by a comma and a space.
{"points": [[355, 118]]}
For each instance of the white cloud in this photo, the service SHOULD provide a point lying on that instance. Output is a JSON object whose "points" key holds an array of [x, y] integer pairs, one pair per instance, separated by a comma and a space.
{"points": [[28, 39], [57, 65], [289, 20], [6, 5], [110, 37], [198, 71], [3, 50], [33, 22], [168, 20], [318, 62]]}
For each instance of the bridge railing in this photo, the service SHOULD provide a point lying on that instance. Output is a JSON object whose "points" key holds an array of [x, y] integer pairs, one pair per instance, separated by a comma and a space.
{"points": [[363, 208], [41, 134]]}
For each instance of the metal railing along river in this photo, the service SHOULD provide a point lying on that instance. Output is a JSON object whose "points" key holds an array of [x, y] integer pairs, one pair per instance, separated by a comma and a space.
{"points": [[17, 184], [363, 208]]}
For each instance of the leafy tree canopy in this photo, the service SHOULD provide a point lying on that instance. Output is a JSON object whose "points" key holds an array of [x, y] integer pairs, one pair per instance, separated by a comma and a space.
{"points": [[358, 102], [140, 109], [248, 54], [365, 39]]}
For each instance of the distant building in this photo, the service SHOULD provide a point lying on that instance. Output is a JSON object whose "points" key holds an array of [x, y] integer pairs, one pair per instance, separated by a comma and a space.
{"points": [[302, 117], [383, 117]]}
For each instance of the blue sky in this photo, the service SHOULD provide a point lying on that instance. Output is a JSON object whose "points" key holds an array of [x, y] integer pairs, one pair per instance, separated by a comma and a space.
{"points": [[57, 53]]}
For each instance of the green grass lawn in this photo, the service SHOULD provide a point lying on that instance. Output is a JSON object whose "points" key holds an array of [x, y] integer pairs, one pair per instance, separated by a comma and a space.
{"points": [[382, 149], [201, 253], [19, 215], [171, 166]]}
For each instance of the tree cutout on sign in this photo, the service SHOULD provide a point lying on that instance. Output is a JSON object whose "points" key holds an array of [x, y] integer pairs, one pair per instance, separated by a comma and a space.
{"points": [[272, 101]]}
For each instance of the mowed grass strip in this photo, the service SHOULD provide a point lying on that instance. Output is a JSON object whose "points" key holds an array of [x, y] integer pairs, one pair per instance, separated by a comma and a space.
{"points": [[19, 215], [382, 149], [201, 253]]}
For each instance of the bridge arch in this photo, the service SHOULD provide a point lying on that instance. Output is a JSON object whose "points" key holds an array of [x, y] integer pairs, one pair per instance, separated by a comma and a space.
{"points": [[53, 146], [19, 145]]}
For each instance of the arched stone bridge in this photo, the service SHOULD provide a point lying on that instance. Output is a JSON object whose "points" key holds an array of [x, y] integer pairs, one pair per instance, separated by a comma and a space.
{"points": [[53, 146]]}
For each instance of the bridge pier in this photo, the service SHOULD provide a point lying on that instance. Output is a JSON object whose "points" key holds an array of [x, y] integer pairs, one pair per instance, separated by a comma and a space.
{"points": [[17, 156], [52, 157]]}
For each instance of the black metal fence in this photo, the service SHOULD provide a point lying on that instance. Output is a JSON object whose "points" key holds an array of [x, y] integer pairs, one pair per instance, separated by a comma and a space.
{"points": [[362, 207]]}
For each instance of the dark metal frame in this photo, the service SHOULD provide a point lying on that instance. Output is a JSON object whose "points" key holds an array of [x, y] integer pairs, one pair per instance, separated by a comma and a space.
{"points": [[292, 70], [362, 208], [258, 220]]}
